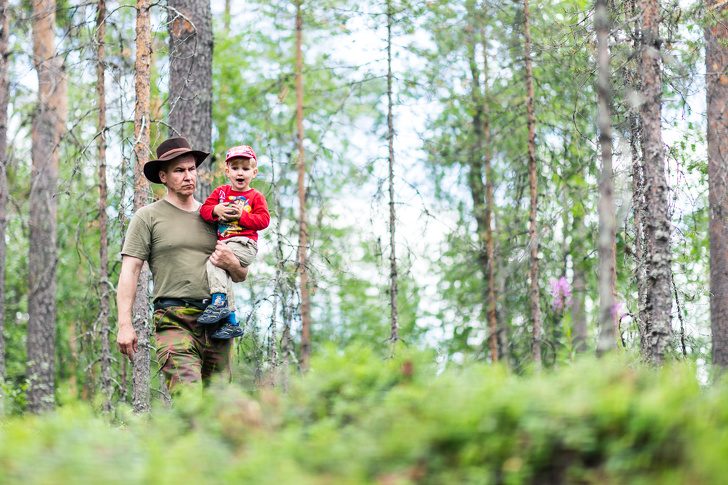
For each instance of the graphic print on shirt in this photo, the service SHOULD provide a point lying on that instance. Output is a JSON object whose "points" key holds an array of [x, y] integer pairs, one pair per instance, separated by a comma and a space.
{"points": [[232, 228]]}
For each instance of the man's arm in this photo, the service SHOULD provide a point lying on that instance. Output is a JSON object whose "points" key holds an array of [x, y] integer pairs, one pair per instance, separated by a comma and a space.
{"points": [[126, 337], [224, 258]]}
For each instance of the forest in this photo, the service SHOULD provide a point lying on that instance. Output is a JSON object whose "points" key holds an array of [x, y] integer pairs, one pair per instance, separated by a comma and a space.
{"points": [[496, 251]]}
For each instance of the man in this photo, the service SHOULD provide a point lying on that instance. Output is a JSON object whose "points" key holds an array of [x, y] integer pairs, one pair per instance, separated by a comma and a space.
{"points": [[176, 242]]}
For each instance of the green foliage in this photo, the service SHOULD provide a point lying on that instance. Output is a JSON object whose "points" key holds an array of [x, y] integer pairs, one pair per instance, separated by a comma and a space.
{"points": [[254, 103], [565, 139], [358, 419]]}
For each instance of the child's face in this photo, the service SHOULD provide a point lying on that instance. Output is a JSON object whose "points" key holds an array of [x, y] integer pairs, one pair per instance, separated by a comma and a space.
{"points": [[240, 172]]}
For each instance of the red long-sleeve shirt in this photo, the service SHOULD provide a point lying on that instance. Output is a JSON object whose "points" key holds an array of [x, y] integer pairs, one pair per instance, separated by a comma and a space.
{"points": [[255, 216]]}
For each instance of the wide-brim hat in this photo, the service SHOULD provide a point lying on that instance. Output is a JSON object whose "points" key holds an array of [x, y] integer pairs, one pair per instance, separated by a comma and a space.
{"points": [[167, 151]]}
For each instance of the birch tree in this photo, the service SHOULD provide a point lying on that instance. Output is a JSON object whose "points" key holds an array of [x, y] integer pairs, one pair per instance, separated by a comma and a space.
{"points": [[632, 80], [106, 383], [47, 130], [658, 304], [226, 16], [394, 333], [302, 224]]}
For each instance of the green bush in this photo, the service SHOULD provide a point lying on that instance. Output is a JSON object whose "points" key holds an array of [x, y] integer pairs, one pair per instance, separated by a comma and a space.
{"points": [[356, 418]]}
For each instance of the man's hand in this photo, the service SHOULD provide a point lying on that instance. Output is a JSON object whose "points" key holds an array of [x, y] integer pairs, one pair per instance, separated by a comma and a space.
{"points": [[224, 258], [227, 212], [126, 338]]}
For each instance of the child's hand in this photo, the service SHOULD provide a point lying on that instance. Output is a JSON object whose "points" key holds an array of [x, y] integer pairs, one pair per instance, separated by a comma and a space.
{"points": [[227, 212]]}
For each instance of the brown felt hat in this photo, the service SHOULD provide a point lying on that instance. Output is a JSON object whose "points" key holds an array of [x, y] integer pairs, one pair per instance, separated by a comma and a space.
{"points": [[167, 151]]}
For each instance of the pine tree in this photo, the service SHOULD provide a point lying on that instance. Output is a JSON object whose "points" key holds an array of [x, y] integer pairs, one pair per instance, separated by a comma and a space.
{"points": [[477, 149], [491, 314], [658, 304], [716, 80], [533, 190], [190, 79], [607, 222], [578, 307], [48, 128], [4, 96], [140, 315]]}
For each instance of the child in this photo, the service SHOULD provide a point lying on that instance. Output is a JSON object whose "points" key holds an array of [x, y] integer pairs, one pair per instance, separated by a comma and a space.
{"points": [[240, 212]]}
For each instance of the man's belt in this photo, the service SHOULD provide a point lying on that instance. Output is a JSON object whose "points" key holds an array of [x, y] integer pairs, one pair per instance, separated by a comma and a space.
{"points": [[160, 303]]}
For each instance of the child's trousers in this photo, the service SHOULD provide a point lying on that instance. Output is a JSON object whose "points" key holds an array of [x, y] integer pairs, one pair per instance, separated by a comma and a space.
{"points": [[245, 249]]}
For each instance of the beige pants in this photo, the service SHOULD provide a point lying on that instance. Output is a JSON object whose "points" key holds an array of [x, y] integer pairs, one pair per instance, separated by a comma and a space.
{"points": [[245, 250]]}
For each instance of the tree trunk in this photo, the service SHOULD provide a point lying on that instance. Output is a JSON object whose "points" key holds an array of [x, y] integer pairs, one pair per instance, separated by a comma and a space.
{"points": [[607, 220], [226, 16], [48, 127], [123, 385], [578, 312], [533, 188], [394, 333], [4, 96], [638, 205], [475, 154], [638, 208], [190, 80], [106, 382], [492, 315], [286, 338], [276, 348], [141, 371], [656, 338], [273, 353], [716, 62], [287, 349], [303, 229]]}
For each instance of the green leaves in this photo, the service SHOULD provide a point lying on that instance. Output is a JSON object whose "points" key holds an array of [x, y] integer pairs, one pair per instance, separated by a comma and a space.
{"points": [[356, 418]]}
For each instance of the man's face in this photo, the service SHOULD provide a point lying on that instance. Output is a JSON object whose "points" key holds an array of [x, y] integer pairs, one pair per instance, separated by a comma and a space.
{"points": [[240, 172], [180, 176]]}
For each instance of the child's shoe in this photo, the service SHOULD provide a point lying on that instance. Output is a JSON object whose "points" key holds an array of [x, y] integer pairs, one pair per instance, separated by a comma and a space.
{"points": [[227, 331], [215, 311], [230, 329]]}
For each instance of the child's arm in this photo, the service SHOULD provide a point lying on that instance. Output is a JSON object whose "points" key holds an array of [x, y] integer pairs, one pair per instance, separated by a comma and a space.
{"points": [[212, 210], [207, 210], [259, 217]]}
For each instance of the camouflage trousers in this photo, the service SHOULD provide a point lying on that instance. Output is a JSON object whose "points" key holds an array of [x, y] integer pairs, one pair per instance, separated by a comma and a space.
{"points": [[185, 352]]}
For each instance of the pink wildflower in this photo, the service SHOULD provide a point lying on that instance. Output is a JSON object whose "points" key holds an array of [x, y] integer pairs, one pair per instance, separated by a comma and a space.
{"points": [[560, 292]]}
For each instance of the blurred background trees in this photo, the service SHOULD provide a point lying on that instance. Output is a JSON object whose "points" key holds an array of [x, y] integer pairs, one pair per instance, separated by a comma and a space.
{"points": [[454, 76]]}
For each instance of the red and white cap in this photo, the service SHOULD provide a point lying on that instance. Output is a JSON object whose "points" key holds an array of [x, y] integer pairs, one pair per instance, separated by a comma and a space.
{"points": [[241, 151]]}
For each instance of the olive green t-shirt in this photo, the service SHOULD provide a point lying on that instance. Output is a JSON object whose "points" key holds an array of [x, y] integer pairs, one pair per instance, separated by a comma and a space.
{"points": [[176, 244]]}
